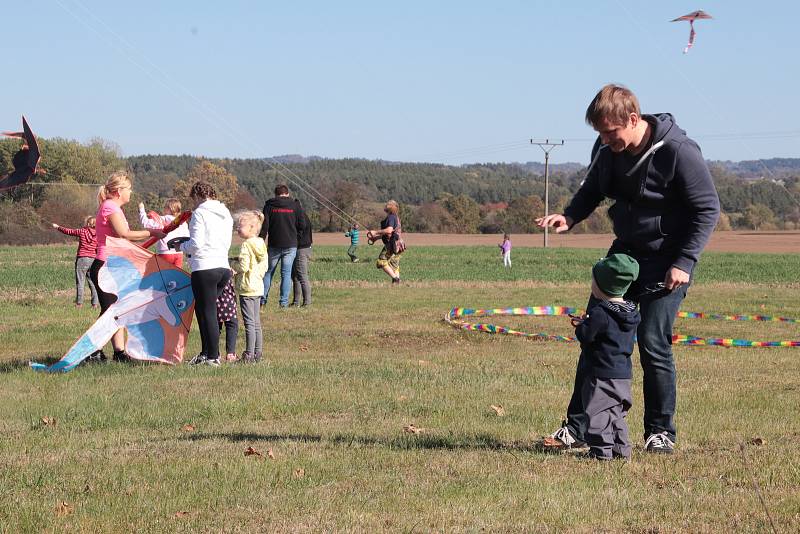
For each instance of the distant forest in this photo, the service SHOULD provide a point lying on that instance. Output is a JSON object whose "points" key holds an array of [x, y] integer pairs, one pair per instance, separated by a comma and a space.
{"points": [[487, 197]]}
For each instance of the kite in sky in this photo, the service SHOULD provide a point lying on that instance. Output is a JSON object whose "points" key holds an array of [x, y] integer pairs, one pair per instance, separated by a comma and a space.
{"points": [[154, 303], [25, 161], [691, 17]]}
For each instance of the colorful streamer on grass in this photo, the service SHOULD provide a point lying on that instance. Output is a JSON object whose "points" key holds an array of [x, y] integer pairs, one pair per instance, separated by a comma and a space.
{"points": [[455, 316]]}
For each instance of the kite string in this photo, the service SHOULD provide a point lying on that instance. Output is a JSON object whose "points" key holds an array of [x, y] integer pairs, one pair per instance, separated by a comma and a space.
{"points": [[205, 111], [707, 102], [282, 170]]}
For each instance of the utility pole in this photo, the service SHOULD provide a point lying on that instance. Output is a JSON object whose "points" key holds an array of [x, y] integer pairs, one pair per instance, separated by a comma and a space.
{"points": [[546, 147]]}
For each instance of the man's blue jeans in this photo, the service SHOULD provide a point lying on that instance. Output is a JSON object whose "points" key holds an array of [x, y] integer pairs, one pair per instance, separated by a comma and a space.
{"points": [[654, 338], [286, 257]]}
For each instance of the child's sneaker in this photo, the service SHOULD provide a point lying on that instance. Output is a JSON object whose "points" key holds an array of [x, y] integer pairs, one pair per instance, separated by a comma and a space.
{"points": [[562, 439], [659, 443], [250, 358]]}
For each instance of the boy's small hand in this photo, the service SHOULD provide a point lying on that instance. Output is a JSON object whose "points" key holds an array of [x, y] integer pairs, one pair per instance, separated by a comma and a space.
{"points": [[55, 225], [141, 206], [577, 320]]}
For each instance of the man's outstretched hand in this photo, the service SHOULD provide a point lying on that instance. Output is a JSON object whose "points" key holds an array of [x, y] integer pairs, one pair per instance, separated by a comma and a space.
{"points": [[559, 222]]}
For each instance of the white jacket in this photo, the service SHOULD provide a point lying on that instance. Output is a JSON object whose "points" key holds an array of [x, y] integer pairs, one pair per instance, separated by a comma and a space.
{"points": [[161, 244], [210, 231]]}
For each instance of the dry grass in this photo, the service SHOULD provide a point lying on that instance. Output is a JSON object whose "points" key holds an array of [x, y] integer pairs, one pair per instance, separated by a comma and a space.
{"points": [[341, 381]]}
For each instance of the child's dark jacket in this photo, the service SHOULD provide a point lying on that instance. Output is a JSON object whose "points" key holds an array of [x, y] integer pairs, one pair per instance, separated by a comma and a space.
{"points": [[607, 338]]}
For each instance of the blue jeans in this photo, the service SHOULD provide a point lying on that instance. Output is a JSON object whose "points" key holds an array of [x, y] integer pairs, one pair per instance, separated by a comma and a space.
{"points": [[286, 257], [654, 337]]}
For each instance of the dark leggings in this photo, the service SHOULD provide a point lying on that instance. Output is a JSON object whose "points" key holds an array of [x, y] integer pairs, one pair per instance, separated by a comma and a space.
{"points": [[105, 299], [207, 285]]}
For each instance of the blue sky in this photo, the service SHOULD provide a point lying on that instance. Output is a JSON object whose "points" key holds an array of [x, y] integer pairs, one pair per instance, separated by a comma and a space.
{"points": [[442, 81]]}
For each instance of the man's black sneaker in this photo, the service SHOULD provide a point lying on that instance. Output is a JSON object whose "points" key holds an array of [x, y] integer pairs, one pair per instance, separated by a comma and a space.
{"points": [[659, 443], [396, 280]]}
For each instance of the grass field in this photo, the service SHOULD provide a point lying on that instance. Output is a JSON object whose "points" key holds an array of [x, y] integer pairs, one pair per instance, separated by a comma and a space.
{"points": [[121, 448]]}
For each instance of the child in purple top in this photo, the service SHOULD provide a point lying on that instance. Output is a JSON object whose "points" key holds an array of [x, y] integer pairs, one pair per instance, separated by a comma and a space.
{"points": [[505, 249]]}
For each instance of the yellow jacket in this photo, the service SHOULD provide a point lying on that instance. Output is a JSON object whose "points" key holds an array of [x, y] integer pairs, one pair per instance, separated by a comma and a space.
{"points": [[250, 267]]}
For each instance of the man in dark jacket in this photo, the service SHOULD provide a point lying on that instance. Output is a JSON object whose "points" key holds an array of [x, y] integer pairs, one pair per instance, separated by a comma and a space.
{"points": [[302, 285], [665, 208], [283, 224]]}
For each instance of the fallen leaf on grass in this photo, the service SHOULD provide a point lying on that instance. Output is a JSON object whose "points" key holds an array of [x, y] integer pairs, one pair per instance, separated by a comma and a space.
{"points": [[424, 362], [63, 508], [271, 454], [187, 428], [552, 443], [181, 514], [48, 421], [412, 429], [499, 410], [402, 398], [758, 441], [303, 348], [250, 451], [299, 472]]}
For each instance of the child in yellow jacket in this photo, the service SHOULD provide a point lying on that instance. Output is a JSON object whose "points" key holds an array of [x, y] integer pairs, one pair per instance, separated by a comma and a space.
{"points": [[250, 268]]}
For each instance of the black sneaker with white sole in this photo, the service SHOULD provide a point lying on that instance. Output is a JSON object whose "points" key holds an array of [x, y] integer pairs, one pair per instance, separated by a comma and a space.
{"points": [[659, 443], [97, 356], [202, 359]]}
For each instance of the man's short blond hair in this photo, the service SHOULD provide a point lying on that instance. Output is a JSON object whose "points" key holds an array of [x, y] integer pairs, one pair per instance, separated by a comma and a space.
{"points": [[612, 102]]}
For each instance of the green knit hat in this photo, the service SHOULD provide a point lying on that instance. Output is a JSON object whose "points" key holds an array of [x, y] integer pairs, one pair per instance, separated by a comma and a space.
{"points": [[615, 273]]}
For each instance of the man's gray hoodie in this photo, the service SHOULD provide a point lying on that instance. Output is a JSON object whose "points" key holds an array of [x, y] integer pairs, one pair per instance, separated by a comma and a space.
{"points": [[666, 205]]}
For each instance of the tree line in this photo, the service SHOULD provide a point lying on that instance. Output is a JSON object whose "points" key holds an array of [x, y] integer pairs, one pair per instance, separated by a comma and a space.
{"points": [[488, 197]]}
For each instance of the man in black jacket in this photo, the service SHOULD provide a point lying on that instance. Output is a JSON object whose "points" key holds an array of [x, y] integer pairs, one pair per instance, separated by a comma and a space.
{"points": [[283, 224], [665, 208]]}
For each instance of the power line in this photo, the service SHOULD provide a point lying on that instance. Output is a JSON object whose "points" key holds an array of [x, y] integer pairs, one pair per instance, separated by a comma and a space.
{"points": [[547, 146]]}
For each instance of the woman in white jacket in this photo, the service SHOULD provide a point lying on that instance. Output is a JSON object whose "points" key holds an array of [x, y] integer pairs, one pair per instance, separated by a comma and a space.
{"points": [[210, 230]]}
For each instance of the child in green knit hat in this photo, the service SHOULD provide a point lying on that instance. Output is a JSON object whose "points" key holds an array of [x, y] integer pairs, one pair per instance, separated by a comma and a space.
{"points": [[602, 393]]}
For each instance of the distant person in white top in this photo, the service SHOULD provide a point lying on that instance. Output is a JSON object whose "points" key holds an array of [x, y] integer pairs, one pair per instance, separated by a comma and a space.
{"points": [[210, 232], [172, 208]]}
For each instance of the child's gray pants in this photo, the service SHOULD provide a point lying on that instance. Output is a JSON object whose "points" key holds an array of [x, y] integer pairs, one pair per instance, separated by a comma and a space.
{"points": [[606, 402]]}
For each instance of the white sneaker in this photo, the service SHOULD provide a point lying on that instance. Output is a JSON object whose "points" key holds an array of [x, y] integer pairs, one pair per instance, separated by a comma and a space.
{"points": [[563, 439], [659, 443]]}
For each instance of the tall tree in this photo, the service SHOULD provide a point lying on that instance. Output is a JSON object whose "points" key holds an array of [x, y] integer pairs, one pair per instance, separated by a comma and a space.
{"points": [[522, 213], [224, 182], [464, 211]]}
